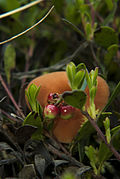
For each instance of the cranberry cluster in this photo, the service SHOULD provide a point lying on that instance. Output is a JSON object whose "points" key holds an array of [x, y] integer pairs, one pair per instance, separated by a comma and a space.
{"points": [[53, 110]]}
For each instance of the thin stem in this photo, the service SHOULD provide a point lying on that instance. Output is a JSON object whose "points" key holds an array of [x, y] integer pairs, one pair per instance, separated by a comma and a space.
{"points": [[92, 121], [94, 55], [11, 96], [9, 116], [23, 81], [63, 156], [55, 67], [20, 9]]}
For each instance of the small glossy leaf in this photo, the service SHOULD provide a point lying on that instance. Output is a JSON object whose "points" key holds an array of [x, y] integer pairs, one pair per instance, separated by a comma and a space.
{"points": [[102, 118], [107, 129], [104, 153], [115, 130], [71, 71], [69, 74], [95, 74], [88, 30], [92, 93], [76, 98], [37, 91], [9, 60], [78, 80], [32, 119], [32, 94], [81, 66], [89, 82], [91, 153], [105, 37], [73, 68], [111, 52]]}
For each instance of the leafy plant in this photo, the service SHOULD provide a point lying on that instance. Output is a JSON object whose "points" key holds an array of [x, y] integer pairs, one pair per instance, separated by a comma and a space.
{"points": [[96, 160], [76, 31], [34, 118]]}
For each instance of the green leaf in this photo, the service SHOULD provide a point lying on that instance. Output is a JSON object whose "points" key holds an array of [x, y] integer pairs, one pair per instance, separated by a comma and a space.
{"points": [[76, 98], [9, 60], [32, 93], [111, 15], [74, 27], [111, 52], [34, 119], [81, 66], [92, 155], [71, 71], [94, 78], [89, 82], [78, 79], [115, 130], [107, 129], [109, 4], [104, 153], [105, 37], [102, 118], [84, 134], [37, 91], [69, 74], [92, 93], [88, 30]]}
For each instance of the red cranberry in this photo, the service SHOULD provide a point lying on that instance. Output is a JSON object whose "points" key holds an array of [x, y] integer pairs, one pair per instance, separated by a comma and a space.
{"points": [[52, 98], [66, 111], [51, 111]]}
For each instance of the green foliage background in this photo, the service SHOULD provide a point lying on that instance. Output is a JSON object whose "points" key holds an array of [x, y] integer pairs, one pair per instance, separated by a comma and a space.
{"points": [[82, 31], [55, 38]]}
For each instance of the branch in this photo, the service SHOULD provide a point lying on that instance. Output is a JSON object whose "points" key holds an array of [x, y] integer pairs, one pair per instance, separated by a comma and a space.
{"points": [[63, 155], [92, 121], [11, 97], [55, 67]]}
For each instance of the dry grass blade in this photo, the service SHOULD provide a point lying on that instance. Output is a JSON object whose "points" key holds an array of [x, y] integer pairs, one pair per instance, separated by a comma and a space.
{"points": [[22, 33], [20, 9]]}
